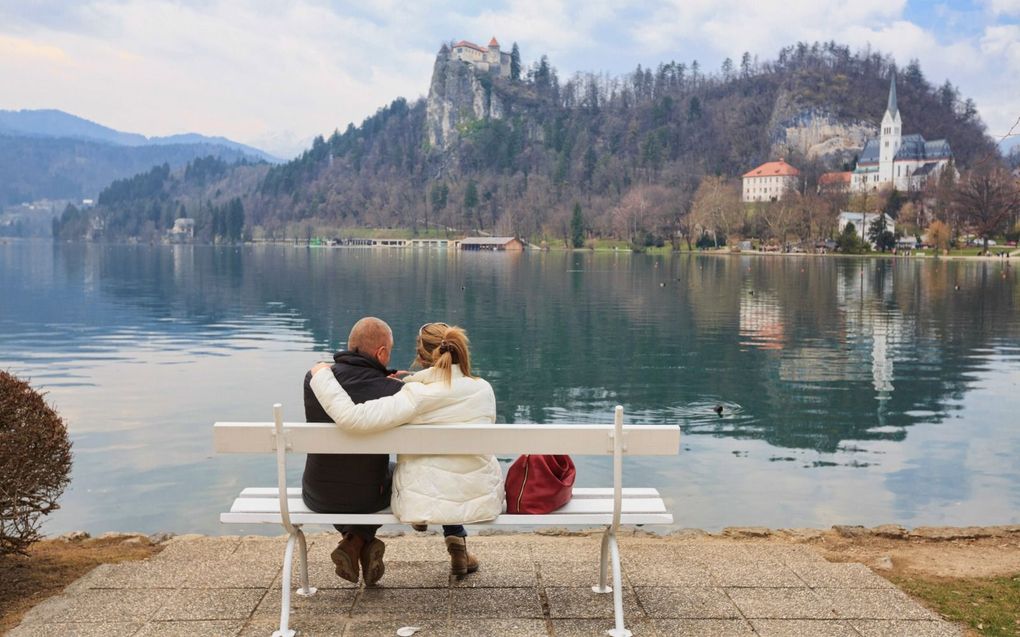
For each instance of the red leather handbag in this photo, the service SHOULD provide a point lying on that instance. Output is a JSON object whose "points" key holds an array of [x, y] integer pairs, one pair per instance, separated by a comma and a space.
{"points": [[538, 484]]}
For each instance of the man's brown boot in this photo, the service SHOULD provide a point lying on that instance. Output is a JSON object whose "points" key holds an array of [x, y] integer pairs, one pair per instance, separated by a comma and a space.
{"points": [[372, 566], [461, 562], [346, 556]]}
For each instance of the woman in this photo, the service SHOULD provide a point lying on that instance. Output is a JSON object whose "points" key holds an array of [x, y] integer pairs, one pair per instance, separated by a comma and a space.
{"points": [[448, 490]]}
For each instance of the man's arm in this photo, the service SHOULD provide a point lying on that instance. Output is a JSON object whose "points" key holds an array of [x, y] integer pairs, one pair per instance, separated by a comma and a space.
{"points": [[373, 415]]}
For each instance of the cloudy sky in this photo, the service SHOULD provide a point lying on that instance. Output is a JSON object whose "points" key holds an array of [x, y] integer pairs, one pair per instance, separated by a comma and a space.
{"points": [[274, 74]]}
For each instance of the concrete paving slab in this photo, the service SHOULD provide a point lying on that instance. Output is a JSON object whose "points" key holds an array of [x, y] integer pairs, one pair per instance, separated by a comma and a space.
{"points": [[704, 627], [757, 575], [76, 630], [143, 575], [686, 603], [781, 603], [495, 573], [328, 603], [528, 585], [105, 606], [495, 627], [205, 628], [198, 603], [802, 628], [582, 603], [496, 603], [570, 573], [193, 548], [231, 574], [874, 604], [431, 627], [318, 627], [598, 627], [402, 602], [839, 575], [648, 570], [905, 628], [415, 575]]}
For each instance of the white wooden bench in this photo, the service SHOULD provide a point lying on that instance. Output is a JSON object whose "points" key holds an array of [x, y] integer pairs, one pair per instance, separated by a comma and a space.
{"points": [[609, 507]]}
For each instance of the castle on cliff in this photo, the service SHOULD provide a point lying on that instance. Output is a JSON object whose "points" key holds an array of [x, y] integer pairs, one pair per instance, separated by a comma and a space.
{"points": [[488, 60], [905, 162]]}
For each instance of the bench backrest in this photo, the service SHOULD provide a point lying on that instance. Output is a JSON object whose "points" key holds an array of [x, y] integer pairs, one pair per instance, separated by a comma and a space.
{"points": [[576, 439], [616, 440]]}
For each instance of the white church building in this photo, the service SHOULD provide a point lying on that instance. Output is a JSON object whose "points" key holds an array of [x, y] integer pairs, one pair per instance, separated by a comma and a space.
{"points": [[904, 162]]}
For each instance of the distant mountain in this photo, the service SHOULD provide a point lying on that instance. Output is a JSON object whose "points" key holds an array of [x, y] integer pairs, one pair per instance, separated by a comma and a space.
{"points": [[55, 123], [50, 154]]}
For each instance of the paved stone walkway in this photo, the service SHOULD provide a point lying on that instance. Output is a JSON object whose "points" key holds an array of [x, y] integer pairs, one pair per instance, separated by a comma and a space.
{"points": [[528, 585]]}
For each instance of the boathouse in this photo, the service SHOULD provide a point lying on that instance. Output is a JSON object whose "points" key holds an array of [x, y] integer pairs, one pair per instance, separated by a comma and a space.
{"points": [[511, 244]]}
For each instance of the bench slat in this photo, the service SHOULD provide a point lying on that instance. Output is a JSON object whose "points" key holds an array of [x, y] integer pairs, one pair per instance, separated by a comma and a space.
{"points": [[452, 439], [630, 505], [579, 492], [553, 519]]}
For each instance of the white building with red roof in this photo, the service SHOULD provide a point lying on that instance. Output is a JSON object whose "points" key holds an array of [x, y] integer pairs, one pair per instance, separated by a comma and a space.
{"points": [[487, 59], [770, 181]]}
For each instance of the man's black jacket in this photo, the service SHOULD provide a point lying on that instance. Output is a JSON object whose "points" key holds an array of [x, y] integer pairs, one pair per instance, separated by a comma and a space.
{"points": [[340, 483]]}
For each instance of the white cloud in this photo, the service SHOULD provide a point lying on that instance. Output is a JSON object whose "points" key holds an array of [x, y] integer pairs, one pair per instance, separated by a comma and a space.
{"points": [[1002, 7], [274, 73]]}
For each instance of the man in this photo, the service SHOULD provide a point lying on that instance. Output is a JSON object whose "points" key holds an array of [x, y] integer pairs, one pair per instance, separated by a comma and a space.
{"points": [[336, 483]]}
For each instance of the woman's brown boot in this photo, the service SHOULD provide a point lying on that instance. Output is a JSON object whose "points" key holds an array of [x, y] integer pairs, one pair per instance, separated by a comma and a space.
{"points": [[461, 562]]}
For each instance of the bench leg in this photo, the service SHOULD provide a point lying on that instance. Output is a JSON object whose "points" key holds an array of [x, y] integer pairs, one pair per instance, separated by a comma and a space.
{"points": [[603, 587], [288, 564], [618, 630], [305, 590]]}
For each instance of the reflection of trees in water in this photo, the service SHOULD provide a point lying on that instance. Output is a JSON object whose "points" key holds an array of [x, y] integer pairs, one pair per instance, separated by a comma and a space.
{"points": [[810, 352]]}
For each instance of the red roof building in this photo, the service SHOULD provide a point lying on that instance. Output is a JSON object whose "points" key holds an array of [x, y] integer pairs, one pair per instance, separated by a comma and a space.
{"points": [[770, 181], [835, 182]]}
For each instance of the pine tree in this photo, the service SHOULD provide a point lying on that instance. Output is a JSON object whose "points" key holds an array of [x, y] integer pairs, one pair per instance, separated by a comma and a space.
{"points": [[515, 63], [470, 200], [577, 227]]}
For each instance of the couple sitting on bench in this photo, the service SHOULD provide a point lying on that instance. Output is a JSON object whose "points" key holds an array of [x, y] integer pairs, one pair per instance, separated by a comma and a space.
{"points": [[360, 394]]}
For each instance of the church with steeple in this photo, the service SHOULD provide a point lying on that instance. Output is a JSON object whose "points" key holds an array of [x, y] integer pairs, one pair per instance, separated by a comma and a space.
{"points": [[903, 162]]}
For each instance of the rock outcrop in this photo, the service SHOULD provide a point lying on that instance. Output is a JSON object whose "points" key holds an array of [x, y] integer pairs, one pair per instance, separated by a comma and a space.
{"points": [[814, 133], [458, 95]]}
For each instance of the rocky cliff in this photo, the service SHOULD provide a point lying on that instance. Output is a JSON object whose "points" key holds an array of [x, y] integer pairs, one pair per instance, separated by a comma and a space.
{"points": [[816, 133], [458, 95]]}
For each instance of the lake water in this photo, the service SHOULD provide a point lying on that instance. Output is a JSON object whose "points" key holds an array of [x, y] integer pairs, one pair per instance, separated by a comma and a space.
{"points": [[855, 391]]}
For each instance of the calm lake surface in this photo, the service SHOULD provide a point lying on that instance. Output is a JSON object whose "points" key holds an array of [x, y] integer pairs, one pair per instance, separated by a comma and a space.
{"points": [[855, 391]]}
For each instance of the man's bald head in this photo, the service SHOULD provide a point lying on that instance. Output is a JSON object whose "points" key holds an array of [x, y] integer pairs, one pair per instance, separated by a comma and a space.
{"points": [[371, 337]]}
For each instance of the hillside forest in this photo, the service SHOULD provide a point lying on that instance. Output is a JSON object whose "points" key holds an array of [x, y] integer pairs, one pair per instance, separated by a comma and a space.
{"points": [[650, 157]]}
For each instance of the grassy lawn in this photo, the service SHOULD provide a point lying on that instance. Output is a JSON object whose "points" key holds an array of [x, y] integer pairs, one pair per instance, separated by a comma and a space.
{"points": [[967, 252], [990, 606]]}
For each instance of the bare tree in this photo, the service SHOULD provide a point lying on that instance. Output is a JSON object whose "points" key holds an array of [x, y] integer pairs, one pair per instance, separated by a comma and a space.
{"points": [[987, 201], [717, 207]]}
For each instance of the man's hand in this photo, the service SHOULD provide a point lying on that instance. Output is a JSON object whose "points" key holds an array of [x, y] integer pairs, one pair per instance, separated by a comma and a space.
{"points": [[320, 366]]}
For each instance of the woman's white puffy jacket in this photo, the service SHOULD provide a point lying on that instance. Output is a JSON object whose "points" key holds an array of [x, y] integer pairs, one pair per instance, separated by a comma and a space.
{"points": [[428, 489]]}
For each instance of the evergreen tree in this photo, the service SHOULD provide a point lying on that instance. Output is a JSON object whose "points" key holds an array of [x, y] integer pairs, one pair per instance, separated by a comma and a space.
{"points": [[470, 200], [515, 63], [577, 226], [234, 219]]}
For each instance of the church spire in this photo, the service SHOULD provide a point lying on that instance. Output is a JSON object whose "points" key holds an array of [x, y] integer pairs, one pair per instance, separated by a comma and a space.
{"points": [[892, 108]]}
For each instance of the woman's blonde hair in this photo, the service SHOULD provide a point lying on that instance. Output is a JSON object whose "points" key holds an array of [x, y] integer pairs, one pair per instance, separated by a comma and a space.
{"points": [[442, 346]]}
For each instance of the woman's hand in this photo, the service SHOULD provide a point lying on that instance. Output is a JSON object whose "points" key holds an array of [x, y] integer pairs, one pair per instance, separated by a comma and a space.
{"points": [[399, 374], [316, 369]]}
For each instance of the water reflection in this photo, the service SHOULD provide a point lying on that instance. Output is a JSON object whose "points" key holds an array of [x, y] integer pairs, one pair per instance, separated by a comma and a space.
{"points": [[838, 378]]}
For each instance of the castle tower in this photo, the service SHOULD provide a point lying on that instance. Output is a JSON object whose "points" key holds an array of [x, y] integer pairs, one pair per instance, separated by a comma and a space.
{"points": [[492, 57], [891, 137]]}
